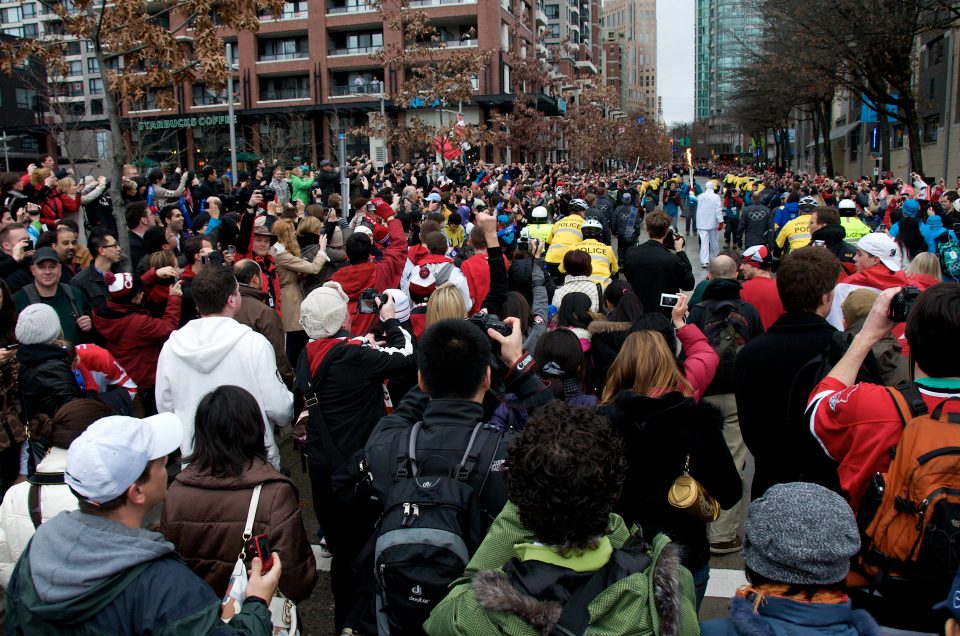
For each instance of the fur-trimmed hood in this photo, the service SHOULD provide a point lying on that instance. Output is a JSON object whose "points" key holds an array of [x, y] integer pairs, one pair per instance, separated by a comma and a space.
{"points": [[496, 593], [606, 326]]}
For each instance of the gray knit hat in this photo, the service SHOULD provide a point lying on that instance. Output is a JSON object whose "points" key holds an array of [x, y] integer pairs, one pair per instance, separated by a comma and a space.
{"points": [[38, 324], [800, 533], [323, 311]]}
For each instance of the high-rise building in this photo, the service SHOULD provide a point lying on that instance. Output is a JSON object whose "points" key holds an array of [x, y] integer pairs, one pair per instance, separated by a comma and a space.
{"points": [[573, 31], [633, 23], [723, 28]]}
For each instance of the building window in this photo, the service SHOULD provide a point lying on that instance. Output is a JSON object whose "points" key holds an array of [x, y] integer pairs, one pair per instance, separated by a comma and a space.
{"points": [[29, 10], [553, 31], [92, 65], [931, 128], [71, 48], [932, 88], [26, 99], [552, 11], [95, 85], [77, 109], [294, 48], [898, 136], [203, 96], [935, 51], [294, 87], [103, 137], [291, 11], [75, 67], [96, 106]]}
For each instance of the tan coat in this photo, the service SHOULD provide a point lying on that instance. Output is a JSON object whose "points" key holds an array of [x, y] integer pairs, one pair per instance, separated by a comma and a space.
{"points": [[289, 268]]}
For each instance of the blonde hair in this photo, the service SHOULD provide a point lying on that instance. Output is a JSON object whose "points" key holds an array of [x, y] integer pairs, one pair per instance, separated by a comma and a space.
{"points": [[38, 176], [310, 225], [925, 263], [163, 258], [645, 365], [286, 235], [445, 302], [64, 184]]}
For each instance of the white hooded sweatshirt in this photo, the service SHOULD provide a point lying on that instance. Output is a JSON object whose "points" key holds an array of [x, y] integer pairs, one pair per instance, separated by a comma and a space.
{"points": [[216, 351]]}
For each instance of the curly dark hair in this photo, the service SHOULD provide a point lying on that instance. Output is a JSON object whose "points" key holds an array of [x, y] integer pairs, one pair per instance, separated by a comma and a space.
{"points": [[565, 473]]}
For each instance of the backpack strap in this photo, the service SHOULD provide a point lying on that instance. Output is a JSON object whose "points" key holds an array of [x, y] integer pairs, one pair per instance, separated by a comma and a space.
{"points": [[68, 292], [312, 403], [406, 453], [626, 561], [908, 400], [33, 296], [33, 505], [33, 493], [468, 462]]}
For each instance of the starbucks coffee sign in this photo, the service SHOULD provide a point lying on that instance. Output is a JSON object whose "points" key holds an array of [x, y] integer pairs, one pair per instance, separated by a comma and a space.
{"points": [[186, 122]]}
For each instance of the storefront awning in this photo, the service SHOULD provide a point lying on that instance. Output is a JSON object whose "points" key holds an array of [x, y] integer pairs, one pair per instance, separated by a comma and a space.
{"points": [[841, 131]]}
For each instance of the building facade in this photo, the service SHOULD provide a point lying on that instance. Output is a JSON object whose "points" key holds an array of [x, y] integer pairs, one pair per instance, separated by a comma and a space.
{"points": [[633, 25], [307, 75], [722, 27], [854, 140]]}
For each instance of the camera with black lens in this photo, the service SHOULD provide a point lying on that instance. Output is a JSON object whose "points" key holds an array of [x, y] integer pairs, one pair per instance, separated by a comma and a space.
{"points": [[269, 194], [367, 303], [489, 321], [902, 303]]}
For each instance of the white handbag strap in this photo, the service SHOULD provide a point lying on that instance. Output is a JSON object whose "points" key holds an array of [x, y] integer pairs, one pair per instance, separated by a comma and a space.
{"points": [[251, 513]]}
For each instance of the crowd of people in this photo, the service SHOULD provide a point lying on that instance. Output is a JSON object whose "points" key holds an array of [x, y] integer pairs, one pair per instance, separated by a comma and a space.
{"points": [[518, 410]]}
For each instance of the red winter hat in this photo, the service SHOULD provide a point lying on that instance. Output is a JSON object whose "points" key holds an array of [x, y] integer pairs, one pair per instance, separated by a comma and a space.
{"points": [[122, 287], [383, 209], [380, 233]]}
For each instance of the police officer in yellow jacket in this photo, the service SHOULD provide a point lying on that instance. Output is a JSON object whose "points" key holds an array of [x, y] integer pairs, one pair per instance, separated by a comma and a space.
{"points": [[602, 257], [564, 233]]}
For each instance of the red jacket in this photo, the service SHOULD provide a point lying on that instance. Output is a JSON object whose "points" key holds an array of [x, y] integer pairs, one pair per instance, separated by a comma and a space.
{"points": [[135, 338], [381, 275], [477, 272], [761, 292], [858, 425], [701, 362], [55, 205]]}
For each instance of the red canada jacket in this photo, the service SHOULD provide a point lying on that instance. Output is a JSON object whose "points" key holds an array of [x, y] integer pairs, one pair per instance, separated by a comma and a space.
{"points": [[135, 338], [381, 275]]}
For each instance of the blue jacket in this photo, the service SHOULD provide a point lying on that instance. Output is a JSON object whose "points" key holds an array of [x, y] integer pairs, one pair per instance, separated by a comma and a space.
{"points": [[787, 213], [784, 617]]}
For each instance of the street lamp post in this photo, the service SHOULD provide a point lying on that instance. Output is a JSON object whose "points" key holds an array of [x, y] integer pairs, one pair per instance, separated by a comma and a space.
{"points": [[233, 127]]}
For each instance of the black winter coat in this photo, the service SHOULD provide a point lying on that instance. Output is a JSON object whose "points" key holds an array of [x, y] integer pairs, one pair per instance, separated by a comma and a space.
{"points": [[652, 269], [46, 379], [832, 237], [659, 433], [782, 446]]}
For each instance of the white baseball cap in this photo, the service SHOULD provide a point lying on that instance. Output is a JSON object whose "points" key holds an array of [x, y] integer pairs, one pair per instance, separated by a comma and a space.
{"points": [[114, 451], [883, 247]]}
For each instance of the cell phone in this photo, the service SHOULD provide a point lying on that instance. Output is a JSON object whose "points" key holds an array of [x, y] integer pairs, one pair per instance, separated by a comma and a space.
{"points": [[12, 346], [260, 546], [204, 259], [231, 250], [669, 300]]}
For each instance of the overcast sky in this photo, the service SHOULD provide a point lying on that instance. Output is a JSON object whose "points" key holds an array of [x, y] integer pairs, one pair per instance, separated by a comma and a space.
{"points": [[676, 77]]}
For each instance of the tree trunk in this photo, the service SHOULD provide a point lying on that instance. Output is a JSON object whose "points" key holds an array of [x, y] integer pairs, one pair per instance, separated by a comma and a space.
{"points": [[883, 126], [815, 119], [825, 127], [117, 160], [912, 124]]}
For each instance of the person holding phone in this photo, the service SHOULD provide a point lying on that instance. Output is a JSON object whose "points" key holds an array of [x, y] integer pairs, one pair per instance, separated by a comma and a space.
{"points": [[207, 504]]}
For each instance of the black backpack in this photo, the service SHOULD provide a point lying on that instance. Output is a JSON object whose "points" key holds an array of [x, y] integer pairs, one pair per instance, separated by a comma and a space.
{"points": [[430, 527], [727, 330]]}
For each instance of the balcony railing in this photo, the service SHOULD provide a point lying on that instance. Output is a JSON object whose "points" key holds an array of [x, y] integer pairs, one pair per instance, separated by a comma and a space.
{"points": [[286, 93], [439, 3], [356, 50], [352, 8], [356, 89], [277, 57]]}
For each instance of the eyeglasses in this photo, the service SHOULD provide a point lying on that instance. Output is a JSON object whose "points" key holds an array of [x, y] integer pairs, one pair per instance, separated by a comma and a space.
{"points": [[111, 245]]}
